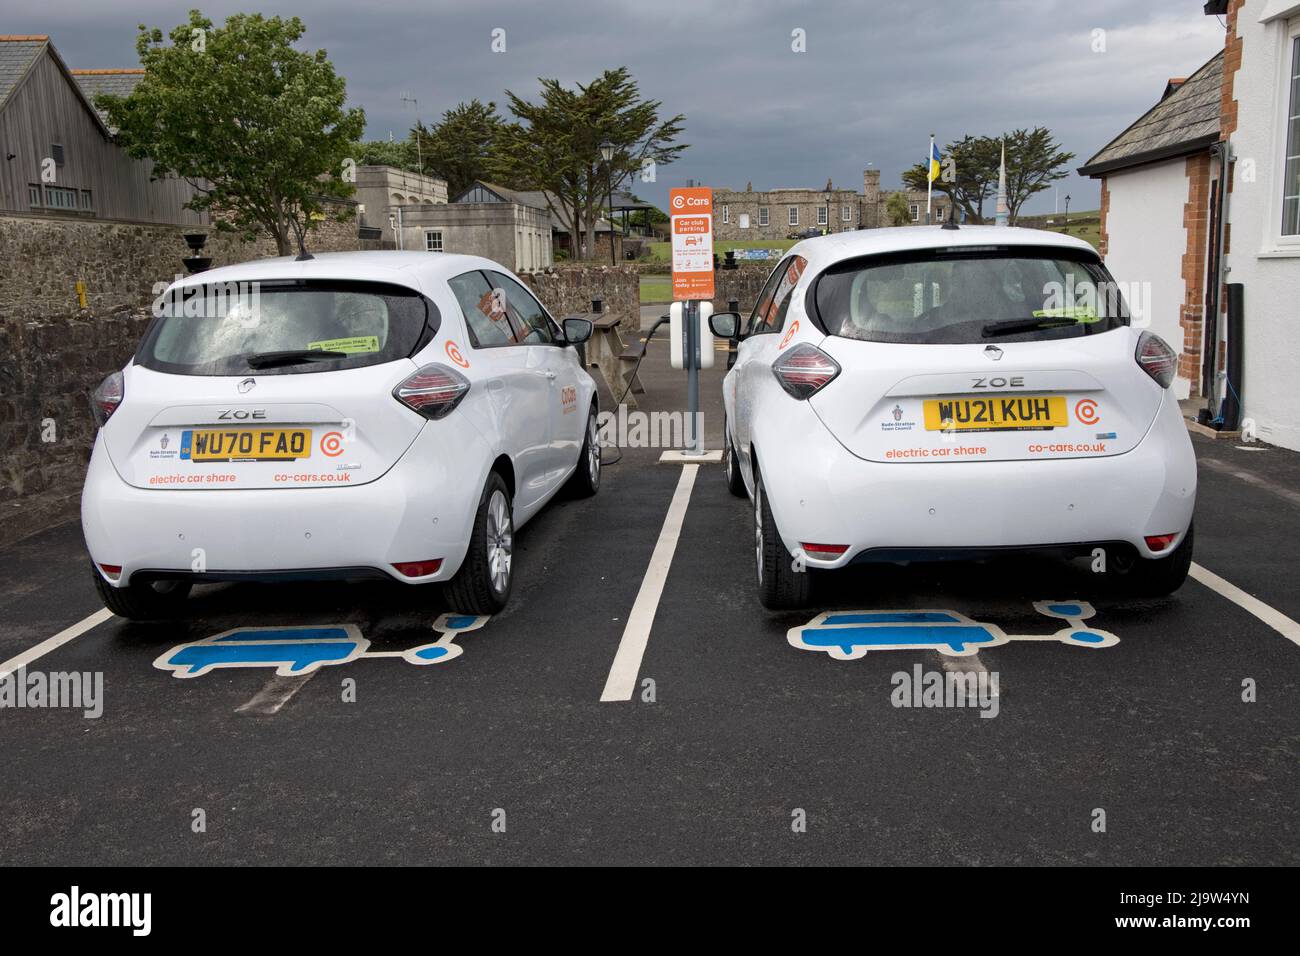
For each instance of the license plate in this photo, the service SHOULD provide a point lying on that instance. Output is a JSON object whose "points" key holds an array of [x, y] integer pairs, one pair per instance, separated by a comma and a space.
{"points": [[246, 444], [995, 413]]}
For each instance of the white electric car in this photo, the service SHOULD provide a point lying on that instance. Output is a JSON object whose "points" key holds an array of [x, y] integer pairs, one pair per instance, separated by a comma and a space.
{"points": [[370, 414], [930, 393]]}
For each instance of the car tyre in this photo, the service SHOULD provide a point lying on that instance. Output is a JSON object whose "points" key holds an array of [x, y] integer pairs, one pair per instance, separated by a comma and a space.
{"points": [[780, 587], [482, 585], [1159, 577], [144, 601], [585, 480], [731, 464]]}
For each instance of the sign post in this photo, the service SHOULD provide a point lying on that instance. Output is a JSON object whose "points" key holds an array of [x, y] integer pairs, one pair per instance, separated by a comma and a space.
{"points": [[691, 224]]}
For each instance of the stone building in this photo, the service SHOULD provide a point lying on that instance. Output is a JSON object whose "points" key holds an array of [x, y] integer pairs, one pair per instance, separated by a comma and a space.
{"points": [[511, 233], [381, 189], [785, 213]]}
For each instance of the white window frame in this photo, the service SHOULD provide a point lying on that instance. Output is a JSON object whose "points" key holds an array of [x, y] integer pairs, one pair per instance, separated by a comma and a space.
{"points": [[938, 214], [793, 215], [762, 216], [430, 241], [915, 209], [846, 213], [823, 215], [1290, 112], [1273, 243], [726, 213]]}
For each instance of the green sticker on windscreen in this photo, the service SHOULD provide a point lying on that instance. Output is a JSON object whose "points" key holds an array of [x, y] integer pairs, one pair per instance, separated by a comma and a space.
{"points": [[1083, 315], [352, 345]]}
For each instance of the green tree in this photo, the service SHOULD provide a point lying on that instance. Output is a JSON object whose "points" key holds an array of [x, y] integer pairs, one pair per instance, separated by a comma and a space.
{"points": [[399, 154], [258, 127], [462, 147], [973, 165], [554, 145], [898, 210], [1034, 161]]}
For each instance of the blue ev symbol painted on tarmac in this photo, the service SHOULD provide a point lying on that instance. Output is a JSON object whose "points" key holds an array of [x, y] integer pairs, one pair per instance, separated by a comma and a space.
{"points": [[848, 635], [302, 650]]}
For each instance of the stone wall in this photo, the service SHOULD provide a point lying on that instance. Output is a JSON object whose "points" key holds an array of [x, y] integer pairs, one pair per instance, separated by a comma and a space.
{"points": [[743, 283], [48, 367], [41, 260], [566, 290]]}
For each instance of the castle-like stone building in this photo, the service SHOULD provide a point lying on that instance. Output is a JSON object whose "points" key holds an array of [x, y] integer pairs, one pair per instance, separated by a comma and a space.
{"points": [[781, 213]]}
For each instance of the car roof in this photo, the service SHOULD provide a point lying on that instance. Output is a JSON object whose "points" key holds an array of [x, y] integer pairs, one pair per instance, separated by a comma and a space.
{"points": [[824, 251], [415, 270]]}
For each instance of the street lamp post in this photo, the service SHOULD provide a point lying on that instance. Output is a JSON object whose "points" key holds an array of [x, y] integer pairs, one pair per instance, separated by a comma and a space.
{"points": [[1067, 213], [607, 154]]}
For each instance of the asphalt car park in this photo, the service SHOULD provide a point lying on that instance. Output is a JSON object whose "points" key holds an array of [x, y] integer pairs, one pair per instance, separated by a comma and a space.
{"points": [[744, 732]]}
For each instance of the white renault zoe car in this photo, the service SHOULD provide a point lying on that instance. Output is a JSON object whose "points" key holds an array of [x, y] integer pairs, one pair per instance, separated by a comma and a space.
{"points": [[930, 393], [371, 414]]}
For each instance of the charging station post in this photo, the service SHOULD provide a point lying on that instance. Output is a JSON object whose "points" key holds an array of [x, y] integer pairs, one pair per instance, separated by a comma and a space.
{"points": [[691, 224]]}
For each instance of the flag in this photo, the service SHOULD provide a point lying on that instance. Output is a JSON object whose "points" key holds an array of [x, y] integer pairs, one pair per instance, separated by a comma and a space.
{"points": [[1003, 216], [934, 160]]}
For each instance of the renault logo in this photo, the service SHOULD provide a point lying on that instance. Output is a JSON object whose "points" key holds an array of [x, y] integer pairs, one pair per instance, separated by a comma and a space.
{"points": [[248, 383], [992, 351]]}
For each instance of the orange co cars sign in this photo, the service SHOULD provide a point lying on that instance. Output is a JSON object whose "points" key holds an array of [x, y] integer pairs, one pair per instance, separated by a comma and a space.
{"points": [[691, 218]]}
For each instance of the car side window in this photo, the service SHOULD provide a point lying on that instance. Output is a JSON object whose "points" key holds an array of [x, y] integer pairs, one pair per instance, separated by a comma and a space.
{"points": [[769, 314], [535, 326], [486, 315], [765, 300]]}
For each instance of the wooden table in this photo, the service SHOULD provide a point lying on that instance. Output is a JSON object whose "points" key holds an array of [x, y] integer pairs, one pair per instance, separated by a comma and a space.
{"points": [[606, 351]]}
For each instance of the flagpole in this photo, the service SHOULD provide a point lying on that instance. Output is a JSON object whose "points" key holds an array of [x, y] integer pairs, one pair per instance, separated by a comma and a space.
{"points": [[929, 180]]}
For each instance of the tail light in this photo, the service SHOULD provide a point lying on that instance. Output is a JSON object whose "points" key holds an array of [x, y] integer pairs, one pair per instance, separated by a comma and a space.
{"points": [[111, 571], [418, 569], [1156, 358], [433, 391], [823, 551], [105, 399], [804, 370], [1158, 542]]}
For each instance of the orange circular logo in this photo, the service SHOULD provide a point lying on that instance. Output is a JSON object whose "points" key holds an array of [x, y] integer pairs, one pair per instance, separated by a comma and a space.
{"points": [[789, 334], [453, 353], [1085, 409], [331, 444]]}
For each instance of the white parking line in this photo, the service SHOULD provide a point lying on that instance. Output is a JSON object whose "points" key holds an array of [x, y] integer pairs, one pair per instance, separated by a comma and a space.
{"points": [[1270, 616], [277, 692], [636, 635], [55, 642]]}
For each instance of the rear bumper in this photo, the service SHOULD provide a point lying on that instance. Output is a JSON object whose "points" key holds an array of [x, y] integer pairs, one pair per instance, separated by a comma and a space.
{"points": [[821, 493], [422, 508]]}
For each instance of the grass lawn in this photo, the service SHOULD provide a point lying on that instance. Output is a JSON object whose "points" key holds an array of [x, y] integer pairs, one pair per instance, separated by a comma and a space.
{"points": [[1089, 232], [656, 289]]}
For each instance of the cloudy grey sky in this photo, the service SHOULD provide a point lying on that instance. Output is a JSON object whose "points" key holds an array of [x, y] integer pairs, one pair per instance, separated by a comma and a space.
{"points": [[877, 77]]}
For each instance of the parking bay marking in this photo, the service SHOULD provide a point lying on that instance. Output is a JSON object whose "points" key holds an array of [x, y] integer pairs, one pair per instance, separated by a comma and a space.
{"points": [[55, 642], [1270, 616], [621, 682]]}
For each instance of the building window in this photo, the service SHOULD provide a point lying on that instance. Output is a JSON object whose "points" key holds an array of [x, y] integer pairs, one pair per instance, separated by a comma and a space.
{"points": [[915, 210], [33, 195], [86, 202], [846, 214], [57, 197], [794, 215], [726, 214], [56, 151], [823, 215], [1291, 176], [938, 213], [433, 240], [762, 215]]}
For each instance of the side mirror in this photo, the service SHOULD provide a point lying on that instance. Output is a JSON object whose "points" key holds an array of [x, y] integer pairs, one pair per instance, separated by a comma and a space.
{"points": [[577, 331], [725, 325]]}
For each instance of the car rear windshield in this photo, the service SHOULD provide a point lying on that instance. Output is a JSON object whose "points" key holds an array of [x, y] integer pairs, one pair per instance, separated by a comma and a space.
{"points": [[291, 327], [965, 295]]}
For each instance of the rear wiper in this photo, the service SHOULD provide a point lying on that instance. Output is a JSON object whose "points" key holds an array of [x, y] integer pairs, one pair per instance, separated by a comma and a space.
{"points": [[1012, 326], [292, 357]]}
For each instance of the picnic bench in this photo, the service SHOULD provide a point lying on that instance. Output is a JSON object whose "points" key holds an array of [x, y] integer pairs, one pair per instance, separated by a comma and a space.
{"points": [[615, 360]]}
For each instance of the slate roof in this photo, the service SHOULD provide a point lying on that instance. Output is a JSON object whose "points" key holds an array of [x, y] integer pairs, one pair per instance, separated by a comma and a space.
{"points": [[17, 54], [1183, 122], [117, 82]]}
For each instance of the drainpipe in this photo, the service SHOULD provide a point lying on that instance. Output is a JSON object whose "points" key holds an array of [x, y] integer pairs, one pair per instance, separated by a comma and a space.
{"points": [[1210, 374]]}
